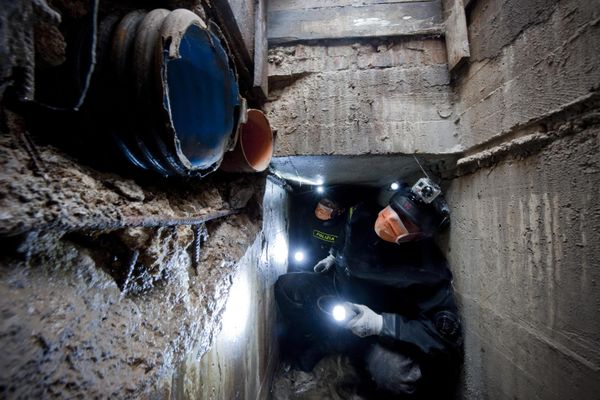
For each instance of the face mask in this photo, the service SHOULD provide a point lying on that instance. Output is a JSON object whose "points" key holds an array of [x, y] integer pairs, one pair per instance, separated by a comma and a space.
{"points": [[323, 213], [390, 227]]}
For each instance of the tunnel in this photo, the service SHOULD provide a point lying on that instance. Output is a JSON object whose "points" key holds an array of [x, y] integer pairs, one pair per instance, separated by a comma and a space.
{"points": [[162, 160]]}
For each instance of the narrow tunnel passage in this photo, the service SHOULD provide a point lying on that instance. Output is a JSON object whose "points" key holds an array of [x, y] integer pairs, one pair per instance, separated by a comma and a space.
{"points": [[144, 226]]}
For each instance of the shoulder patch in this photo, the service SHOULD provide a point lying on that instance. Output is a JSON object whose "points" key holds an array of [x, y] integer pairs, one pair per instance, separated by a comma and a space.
{"points": [[447, 324], [326, 237]]}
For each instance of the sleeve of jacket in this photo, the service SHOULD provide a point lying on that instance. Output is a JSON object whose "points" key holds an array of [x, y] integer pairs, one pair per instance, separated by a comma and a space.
{"points": [[439, 335]]}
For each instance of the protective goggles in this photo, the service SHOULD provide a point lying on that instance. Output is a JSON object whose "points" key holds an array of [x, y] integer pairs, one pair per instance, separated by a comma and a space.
{"points": [[392, 228], [323, 212]]}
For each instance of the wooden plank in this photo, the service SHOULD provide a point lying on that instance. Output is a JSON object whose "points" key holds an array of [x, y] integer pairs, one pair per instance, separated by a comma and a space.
{"points": [[245, 17], [221, 13], [281, 5], [261, 48], [457, 36], [374, 20]]}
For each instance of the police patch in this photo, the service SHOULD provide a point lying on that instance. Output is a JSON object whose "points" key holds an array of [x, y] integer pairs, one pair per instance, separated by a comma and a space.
{"points": [[326, 237]]}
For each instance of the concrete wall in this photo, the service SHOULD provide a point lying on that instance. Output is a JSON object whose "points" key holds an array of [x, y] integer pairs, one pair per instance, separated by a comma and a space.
{"points": [[524, 248], [244, 356], [524, 237], [379, 97], [524, 115], [529, 59]]}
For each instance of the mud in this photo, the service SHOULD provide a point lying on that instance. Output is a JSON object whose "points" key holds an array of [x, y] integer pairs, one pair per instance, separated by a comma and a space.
{"points": [[54, 190], [94, 305]]}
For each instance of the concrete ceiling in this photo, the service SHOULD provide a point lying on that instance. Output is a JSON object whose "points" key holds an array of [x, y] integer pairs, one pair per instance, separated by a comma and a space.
{"points": [[369, 170]]}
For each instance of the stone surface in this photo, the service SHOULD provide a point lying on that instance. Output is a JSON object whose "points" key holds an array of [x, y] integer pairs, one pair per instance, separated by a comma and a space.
{"points": [[524, 237], [92, 309], [69, 330], [382, 97]]}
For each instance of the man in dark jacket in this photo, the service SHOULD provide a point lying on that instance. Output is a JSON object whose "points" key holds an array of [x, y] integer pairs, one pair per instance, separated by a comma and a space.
{"points": [[405, 329], [317, 232]]}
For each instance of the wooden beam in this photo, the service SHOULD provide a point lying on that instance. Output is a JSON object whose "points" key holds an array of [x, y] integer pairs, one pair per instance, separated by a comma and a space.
{"points": [[221, 13], [355, 21], [457, 35], [281, 5], [261, 48]]}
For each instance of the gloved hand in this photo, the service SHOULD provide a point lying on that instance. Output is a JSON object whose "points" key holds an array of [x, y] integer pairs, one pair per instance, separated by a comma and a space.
{"points": [[325, 264], [366, 322]]}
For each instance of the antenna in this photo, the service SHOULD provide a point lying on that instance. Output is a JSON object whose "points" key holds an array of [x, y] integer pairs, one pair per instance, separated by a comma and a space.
{"points": [[417, 160]]}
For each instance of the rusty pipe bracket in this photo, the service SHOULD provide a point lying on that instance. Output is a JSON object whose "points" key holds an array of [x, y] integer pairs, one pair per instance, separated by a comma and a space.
{"points": [[200, 235]]}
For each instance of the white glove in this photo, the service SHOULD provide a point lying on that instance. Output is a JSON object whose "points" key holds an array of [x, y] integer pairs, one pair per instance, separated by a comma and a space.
{"points": [[325, 264], [366, 322]]}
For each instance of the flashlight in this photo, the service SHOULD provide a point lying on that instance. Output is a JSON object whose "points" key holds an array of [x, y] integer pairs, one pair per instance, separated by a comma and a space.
{"points": [[299, 256], [342, 312]]}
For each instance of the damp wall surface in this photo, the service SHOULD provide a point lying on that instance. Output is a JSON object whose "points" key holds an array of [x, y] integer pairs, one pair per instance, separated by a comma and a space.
{"points": [[524, 238], [241, 363]]}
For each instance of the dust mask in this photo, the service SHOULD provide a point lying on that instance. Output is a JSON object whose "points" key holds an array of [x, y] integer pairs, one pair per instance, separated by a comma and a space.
{"points": [[390, 227], [323, 212]]}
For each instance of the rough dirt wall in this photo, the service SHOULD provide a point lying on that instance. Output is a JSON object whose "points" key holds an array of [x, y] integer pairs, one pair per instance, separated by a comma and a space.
{"points": [[245, 354], [524, 237], [91, 306], [347, 98], [102, 292]]}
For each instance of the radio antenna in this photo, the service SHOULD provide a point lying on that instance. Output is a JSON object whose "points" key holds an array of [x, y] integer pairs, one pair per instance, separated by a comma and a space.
{"points": [[420, 166]]}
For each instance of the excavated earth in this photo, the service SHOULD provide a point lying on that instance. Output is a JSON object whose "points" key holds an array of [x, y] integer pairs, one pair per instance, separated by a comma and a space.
{"points": [[92, 307]]}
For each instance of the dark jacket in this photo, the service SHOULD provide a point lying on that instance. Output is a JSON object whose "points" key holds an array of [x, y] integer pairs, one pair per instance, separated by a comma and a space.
{"points": [[409, 284]]}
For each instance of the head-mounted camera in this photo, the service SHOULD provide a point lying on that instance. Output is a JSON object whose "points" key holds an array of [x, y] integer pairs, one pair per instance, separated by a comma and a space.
{"points": [[422, 205]]}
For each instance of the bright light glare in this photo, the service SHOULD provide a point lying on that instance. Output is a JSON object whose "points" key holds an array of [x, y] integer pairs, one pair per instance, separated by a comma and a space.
{"points": [[237, 309], [394, 186], [294, 177], [320, 189], [280, 248], [299, 256], [339, 313]]}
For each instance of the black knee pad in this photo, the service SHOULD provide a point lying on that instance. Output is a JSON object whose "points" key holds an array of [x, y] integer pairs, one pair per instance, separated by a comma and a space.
{"points": [[288, 291], [392, 371]]}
